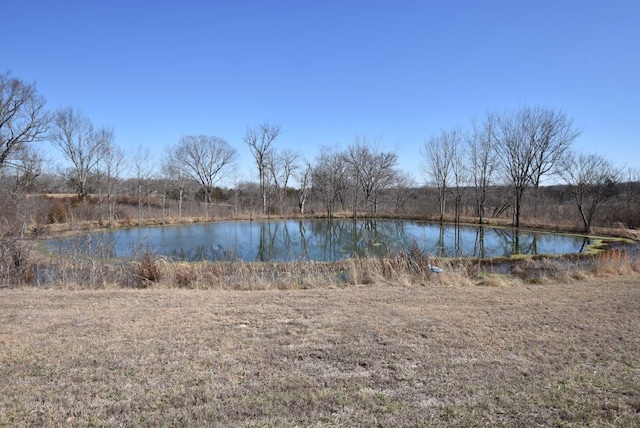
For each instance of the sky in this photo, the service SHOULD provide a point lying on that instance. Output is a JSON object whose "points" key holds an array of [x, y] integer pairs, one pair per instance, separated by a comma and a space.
{"points": [[330, 71]]}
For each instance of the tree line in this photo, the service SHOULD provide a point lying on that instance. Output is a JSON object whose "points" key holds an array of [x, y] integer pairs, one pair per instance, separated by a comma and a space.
{"points": [[519, 149], [515, 151]]}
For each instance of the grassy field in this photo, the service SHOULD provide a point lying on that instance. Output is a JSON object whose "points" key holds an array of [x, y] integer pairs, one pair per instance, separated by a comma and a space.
{"points": [[560, 354]]}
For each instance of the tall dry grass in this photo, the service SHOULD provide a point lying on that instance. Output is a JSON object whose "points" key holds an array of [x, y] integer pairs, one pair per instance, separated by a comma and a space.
{"points": [[410, 268]]}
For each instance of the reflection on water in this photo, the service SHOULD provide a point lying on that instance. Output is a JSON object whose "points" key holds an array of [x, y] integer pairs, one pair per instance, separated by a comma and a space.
{"points": [[321, 240]]}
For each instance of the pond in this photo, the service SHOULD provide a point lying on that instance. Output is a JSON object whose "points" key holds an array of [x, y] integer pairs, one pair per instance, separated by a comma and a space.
{"points": [[318, 240]]}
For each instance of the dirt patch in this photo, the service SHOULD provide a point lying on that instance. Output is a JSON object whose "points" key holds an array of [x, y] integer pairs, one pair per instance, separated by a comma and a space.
{"points": [[538, 355]]}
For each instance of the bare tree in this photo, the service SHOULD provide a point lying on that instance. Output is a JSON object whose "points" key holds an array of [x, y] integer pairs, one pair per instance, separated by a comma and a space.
{"points": [[551, 133], [371, 169], [593, 180], [531, 142], [633, 197], [23, 119], [259, 141], [438, 153], [403, 183], [459, 173], [175, 176], [482, 160], [142, 162], [281, 166], [329, 178], [355, 159], [516, 157], [27, 165], [206, 159], [74, 136], [304, 180], [112, 165]]}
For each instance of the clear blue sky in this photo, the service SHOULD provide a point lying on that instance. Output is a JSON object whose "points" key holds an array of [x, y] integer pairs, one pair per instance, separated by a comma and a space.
{"points": [[329, 70]]}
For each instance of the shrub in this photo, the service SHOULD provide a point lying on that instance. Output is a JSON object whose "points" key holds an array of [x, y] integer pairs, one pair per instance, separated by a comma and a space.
{"points": [[16, 265], [145, 270], [57, 213]]}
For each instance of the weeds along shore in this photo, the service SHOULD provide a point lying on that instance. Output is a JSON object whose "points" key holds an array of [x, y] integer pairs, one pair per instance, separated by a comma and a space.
{"points": [[409, 268]]}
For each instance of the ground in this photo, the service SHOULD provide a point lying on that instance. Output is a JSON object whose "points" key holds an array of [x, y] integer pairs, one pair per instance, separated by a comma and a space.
{"points": [[563, 354]]}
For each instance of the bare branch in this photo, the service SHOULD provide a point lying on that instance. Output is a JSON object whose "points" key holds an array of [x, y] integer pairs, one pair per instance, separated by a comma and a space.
{"points": [[23, 119]]}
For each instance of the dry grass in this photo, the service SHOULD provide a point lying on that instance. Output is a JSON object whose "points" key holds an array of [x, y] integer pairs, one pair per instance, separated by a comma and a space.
{"points": [[80, 271], [362, 355]]}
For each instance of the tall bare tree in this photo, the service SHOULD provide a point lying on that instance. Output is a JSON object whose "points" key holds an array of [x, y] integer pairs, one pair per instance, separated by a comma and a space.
{"points": [[142, 165], [531, 143], [482, 160], [206, 159], [551, 132], [329, 179], [459, 173], [593, 180], [438, 163], [259, 141], [371, 169], [281, 166], [75, 137], [112, 165], [304, 180], [23, 119], [175, 177]]}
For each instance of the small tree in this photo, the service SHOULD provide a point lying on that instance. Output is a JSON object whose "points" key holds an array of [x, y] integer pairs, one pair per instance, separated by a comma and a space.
{"points": [[27, 164], [403, 183], [593, 180]]}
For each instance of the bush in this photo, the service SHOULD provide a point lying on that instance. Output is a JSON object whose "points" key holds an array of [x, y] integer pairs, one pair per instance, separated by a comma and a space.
{"points": [[57, 213], [145, 270], [16, 266]]}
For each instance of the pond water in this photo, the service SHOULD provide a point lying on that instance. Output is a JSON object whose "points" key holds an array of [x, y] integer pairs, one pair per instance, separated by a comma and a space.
{"points": [[319, 240]]}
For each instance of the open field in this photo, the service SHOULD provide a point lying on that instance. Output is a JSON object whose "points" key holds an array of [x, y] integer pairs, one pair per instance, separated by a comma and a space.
{"points": [[527, 355]]}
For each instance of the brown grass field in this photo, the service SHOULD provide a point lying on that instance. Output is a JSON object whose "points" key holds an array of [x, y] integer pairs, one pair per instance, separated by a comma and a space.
{"points": [[556, 354]]}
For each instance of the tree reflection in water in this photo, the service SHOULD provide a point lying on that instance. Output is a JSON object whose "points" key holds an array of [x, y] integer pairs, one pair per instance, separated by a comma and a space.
{"points": [[321, 240]]}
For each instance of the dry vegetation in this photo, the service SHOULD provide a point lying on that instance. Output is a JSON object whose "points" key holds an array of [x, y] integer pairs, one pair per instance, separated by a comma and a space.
{"points": [[361, 355], [361, 342]]}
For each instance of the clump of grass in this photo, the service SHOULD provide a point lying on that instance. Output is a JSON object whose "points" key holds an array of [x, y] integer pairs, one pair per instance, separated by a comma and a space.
{"points": [[145, 268], [184, 276]]}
